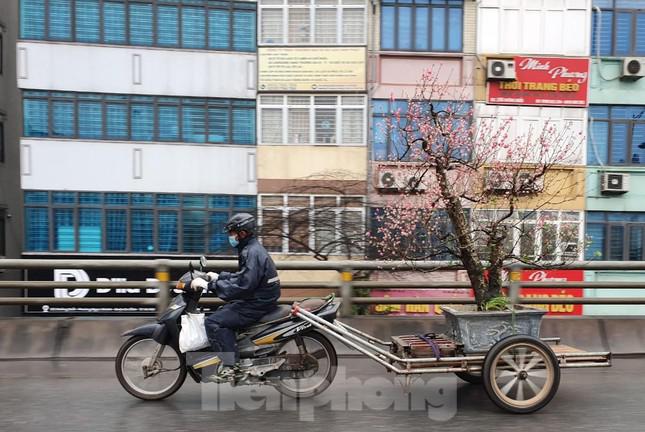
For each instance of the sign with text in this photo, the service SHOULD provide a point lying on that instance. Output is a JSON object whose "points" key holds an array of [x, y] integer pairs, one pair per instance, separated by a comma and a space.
{"points": [[557, 293], [312, 69], [551, 81]]}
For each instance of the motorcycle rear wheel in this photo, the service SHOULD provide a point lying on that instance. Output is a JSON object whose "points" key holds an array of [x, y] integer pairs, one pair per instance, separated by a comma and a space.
{"points": [[133, 380], [325, 353]]}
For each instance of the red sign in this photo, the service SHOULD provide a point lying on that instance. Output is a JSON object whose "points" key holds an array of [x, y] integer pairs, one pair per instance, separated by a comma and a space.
{"points": [[550, 293], [415, 309], [551, 81]]}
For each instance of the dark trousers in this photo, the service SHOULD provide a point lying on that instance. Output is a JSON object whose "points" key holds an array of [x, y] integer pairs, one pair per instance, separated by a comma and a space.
{"points": [[221, 327]]}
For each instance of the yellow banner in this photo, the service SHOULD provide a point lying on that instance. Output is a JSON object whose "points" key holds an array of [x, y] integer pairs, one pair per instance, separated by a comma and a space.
{"points": [[312, 69]]}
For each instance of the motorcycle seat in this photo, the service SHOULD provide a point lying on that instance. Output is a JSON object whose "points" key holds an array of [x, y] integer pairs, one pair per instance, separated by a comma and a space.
{"points": [[281, 312]]}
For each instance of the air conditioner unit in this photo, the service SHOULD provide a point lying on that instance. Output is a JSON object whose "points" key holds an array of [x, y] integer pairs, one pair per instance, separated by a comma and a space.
{"points": [[412, 181], [527, 185], [616, 183], [387, 181], [398, 181], [495, 182], [501, 70], [633, 68]]}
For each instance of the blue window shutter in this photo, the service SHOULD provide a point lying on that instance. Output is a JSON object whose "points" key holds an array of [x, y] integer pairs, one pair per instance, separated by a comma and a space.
{"points": [[167, 231], [64, 236], [244, 30], [243, 126], [639, 49], [142, 120], [194, 124], [455, 29], [387, 27], [87, 21], [169, 123], [219, 24], [379, 134], [116, 118], [60, 19], [140, 24], [193, 27], [141, 230], [90, 230], [114, 22], [32, 19], [606, 30], [598, 143], [62, 119], [616, 241], [167, 25], [90, 120], [438, 29], [218, 242], [623, 33], [638, 144], [421, 29], [116, 230], [194, 231], [635, 243], [596, 234], [619, 135], [404, 35], [218, 125], [36, 117], [36, 229]]}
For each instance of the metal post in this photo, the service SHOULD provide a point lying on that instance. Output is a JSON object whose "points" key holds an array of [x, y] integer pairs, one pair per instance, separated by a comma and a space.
{"points": [[163, 278], [346, 292], [515, 276]]}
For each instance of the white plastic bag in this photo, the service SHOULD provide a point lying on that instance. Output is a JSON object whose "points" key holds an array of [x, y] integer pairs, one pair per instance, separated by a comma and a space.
{"points": [[192, 336]]}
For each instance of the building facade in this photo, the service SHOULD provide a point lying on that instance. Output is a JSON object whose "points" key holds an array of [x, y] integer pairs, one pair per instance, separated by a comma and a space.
{"points": [[137, 127]]}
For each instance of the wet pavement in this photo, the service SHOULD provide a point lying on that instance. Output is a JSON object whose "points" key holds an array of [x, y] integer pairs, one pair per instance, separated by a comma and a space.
{"points": [[86, 396]]}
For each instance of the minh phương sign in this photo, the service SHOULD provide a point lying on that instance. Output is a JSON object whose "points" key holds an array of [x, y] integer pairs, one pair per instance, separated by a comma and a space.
{"points": [[550, 81]]}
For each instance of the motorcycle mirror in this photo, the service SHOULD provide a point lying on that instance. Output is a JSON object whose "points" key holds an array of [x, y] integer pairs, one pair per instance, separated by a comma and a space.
{"points": [[190, 267], [202, 263]]}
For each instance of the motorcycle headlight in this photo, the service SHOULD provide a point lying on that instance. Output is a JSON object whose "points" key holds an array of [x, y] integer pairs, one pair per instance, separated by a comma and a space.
{"points": [[180, 285]]}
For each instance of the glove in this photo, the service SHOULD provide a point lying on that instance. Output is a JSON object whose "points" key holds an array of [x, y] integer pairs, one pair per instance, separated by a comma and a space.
{"points": [[212, 276], [198, 283]]}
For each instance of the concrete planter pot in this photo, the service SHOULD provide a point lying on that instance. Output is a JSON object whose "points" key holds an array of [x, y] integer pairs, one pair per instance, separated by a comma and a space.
{"points": [[478, 331]]}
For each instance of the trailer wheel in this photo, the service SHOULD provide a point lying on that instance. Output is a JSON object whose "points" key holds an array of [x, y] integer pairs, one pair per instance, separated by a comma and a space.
{"points": [[470, 377], [521, 374]]}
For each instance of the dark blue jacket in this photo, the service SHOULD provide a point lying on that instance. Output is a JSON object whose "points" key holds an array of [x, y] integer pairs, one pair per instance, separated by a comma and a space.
{"points": [[256, 282]]}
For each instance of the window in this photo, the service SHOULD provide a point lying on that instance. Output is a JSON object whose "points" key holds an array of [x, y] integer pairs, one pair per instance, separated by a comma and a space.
{"points": [[545, 235], [422, 25], [387, 142], [616, 135], [615, 236], [119, 222], [318, 22], [194, 24], [619, 29], [138, 118], [320, 224], [312, 120]]}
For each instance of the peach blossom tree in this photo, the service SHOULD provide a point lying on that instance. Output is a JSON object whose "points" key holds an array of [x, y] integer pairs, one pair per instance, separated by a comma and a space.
{"points": [[471, 182]]}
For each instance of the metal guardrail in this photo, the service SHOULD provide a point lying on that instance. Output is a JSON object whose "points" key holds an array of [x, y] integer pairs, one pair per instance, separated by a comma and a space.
{"points": [[344, 286]]}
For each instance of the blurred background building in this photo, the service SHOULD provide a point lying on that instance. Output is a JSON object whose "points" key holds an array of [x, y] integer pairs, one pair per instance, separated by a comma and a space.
{"points": [[134, 128]]}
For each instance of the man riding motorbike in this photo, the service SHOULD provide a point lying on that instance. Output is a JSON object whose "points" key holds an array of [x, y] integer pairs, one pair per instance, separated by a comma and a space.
{"points": [[250, 293]]}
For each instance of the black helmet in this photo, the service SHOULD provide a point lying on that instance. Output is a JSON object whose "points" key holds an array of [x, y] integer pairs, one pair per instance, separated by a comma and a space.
{"points": [[241, 222]]}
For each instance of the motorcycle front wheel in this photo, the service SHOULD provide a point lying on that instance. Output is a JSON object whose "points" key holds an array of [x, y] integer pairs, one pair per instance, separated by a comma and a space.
{"points": [[144, 377], [316, 381]]}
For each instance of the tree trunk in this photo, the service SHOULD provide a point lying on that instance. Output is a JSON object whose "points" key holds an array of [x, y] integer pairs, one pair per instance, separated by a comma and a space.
{"points": [[467, 252]]}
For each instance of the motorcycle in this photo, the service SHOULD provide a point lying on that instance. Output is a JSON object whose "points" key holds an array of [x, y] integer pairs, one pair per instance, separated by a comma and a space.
{"points": [[280, 350]]}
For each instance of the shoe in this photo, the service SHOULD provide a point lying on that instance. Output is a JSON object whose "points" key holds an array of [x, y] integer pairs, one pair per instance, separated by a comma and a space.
{"points": [[224, 374]]}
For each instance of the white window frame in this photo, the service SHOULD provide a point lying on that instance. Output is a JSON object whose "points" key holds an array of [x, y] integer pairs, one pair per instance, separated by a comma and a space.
{"points": [[286, 209], [340, 6], [515, 221], [338, 106]]}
